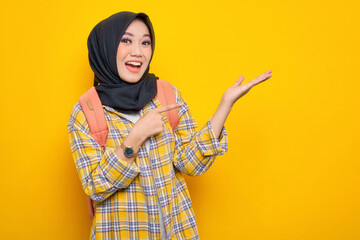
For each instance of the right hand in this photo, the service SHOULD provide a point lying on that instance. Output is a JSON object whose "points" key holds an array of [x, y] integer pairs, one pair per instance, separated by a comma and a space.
{"points": [[152, 123]]}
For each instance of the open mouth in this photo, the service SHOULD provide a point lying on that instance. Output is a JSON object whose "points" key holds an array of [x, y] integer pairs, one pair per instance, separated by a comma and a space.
{"points": [[133, 66]]}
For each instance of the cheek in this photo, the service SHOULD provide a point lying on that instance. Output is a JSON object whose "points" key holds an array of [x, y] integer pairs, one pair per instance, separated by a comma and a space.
{"points": [[147, 53], [121, 52], [119, 60]]}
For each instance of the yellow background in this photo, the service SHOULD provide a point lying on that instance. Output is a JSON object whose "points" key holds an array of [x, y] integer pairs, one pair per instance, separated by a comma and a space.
{"points": [[292, 170]]}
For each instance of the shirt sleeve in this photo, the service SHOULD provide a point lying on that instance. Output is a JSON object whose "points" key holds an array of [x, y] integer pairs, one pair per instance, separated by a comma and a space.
{"points": [[195, 151], [101, 172]]}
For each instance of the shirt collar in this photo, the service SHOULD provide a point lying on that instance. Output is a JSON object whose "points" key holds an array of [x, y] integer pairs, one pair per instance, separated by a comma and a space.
{"points": [[154, 103]]}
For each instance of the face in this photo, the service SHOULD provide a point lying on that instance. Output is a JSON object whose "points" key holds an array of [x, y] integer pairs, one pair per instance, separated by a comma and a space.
{"points": [[134, 52]]}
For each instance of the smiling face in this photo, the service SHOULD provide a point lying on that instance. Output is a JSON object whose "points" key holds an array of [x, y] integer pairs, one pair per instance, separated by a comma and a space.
{"points": [[134, 52]]}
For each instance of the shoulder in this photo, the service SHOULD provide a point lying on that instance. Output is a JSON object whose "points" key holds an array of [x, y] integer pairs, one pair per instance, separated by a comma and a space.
{"points": [[179, 99], [177, 93], [77, 119]]}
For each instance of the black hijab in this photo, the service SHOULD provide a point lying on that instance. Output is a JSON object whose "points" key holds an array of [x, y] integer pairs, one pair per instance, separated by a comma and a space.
{"points": [[103, 43]]}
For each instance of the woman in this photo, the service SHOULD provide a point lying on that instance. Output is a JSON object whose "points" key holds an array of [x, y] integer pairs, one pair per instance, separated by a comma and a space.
{"points": [[142, 195]]}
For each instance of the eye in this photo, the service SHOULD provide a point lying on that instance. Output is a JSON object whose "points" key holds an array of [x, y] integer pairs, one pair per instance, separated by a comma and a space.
{"points": [[124, 40], [147, 43]]}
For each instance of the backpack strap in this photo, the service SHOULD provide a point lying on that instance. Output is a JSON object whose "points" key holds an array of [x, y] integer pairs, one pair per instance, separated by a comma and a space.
{"points": [[166, 96], [95, 116]]}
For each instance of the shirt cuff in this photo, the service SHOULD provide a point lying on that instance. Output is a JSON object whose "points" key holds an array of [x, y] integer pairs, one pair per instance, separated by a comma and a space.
{"points": [[208, 143], [119, 172]]}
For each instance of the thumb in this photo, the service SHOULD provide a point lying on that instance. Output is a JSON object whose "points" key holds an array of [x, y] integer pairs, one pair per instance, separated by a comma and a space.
{"points": [[239, 81]]}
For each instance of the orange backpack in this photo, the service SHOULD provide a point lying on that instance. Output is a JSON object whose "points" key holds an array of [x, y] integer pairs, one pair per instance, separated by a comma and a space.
{"points": [[95, 116]]}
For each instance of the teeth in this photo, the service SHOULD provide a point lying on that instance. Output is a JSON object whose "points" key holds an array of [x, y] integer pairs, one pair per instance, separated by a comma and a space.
{"points": [[134, 63]]}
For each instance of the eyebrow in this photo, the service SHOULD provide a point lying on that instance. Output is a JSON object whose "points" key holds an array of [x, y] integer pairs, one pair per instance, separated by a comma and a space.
{"points": [[130, 34]]}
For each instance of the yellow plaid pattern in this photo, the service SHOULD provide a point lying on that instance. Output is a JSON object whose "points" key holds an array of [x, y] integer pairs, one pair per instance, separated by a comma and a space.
{"points": [[124, 194]]}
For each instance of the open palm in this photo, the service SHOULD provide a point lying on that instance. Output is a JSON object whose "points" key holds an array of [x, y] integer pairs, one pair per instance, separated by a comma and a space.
{"points": [[236, 91]]}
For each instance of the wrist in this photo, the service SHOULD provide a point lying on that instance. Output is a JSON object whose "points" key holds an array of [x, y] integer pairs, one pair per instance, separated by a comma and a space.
{"points": [[136, 136], [134, 140], [226, 104], [129, 151]]}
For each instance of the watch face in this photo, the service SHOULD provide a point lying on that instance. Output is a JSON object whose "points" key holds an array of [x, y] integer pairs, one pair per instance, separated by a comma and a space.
{"points": [[128, 152]]}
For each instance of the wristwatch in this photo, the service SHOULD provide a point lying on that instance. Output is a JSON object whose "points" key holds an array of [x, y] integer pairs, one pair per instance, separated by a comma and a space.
{"points": [[128, 151]]}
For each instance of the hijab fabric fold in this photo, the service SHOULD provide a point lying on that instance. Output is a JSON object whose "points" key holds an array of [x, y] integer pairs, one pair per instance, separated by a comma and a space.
{"points": [[103, 43]]}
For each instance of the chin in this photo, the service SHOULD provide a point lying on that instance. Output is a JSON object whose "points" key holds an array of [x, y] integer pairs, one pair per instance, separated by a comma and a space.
{"points": [[131, 79]]}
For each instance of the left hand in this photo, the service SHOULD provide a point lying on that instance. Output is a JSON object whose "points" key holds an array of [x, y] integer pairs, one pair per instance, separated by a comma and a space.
{"points": [[236, 91]]}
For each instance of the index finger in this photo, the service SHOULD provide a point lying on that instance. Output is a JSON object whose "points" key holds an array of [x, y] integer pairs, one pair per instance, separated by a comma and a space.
{"points": [[169, 107], [261, 78]]}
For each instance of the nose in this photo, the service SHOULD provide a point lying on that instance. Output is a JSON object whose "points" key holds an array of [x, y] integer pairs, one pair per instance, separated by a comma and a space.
{"points": [[136, 50]]}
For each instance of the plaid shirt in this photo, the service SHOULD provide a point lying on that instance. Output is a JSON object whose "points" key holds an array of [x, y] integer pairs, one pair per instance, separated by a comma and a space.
{"points": [[125, 201]]}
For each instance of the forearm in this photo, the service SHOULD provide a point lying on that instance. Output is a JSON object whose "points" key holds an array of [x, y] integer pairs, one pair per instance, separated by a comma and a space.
{"points": [[101, 173], [113, 166], [195, 150], [218, 119], [135, 140]]}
